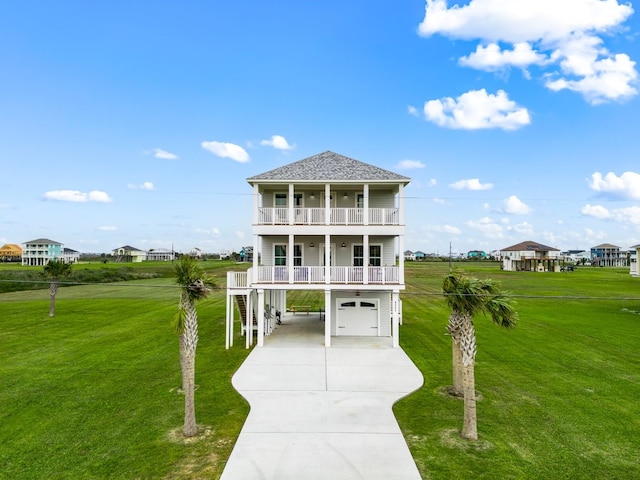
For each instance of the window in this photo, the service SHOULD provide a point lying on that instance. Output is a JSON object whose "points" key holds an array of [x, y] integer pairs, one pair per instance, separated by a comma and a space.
{"points": [[358, 255], [298, 200], [280, 200], [360, 200], [279, 255], [297, 255], [375, 255]]}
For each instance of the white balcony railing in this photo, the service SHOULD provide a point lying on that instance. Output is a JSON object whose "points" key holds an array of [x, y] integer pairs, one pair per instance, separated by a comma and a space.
{"points": [[316, 275], [337, 216]]}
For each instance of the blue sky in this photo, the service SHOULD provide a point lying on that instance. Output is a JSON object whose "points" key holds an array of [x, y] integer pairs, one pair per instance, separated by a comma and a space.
{"points": [[137, 123]]}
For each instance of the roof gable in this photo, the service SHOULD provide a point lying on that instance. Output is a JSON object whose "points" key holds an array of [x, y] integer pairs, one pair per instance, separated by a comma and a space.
{"points": [[328, 166]]}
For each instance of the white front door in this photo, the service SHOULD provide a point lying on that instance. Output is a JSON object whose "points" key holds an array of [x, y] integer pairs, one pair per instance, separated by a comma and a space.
{"points": [[357, 316]]}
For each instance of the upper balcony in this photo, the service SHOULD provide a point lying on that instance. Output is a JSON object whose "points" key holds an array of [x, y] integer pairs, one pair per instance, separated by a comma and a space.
{"points": [[299, 275], [331, 216]]}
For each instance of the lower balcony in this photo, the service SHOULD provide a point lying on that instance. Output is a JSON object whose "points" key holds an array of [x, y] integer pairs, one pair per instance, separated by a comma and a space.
{"points": [[270, 275]]}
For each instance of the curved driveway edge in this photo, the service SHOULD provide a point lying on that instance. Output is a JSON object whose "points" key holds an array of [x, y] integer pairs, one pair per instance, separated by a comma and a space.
{"points": [[323, 413]]}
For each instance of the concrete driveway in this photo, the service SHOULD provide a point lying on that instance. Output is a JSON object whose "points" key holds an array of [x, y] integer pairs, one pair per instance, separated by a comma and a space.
{"points": [[322, 413]]}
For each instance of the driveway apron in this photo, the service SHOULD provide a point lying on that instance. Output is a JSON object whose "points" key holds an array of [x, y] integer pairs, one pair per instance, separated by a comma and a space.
{"points": [[323, 413]]}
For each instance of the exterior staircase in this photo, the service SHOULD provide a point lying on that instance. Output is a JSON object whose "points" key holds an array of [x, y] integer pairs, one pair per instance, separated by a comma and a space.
{"points": [[241, 301]]}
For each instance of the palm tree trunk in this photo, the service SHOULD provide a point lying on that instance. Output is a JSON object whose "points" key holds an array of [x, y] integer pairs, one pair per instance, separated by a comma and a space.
{"points": [[468, 347], [53, 289], [456, 320], [188, 343], [188, 384]]}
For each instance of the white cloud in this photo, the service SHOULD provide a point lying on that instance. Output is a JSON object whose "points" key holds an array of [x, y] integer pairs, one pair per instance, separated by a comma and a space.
{"points": [[143, 186], [524, 228], [471, 184], [278, 142], [226, 150], [565, 38], [413, 111], [450, 229], [160, 153], [515, 206], [410, 164], [240, 235], [107, 228], [597, 211], [77, 196], [439, 201], [487, 226], [625, 186], [477, 109], [624, 216], [432, 182], [492, 57], [214, 231]]}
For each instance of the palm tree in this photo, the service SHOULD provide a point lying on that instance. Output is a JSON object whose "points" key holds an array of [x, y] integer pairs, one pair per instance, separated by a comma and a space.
{"points": [[54, 270], [468, 296], [194, 285]]}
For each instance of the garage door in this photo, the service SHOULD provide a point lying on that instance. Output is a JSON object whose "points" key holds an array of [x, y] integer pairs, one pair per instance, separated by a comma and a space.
{"points": [[357, 316]]}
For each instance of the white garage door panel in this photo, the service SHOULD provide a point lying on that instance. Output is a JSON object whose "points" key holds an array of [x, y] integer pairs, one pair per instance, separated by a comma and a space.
{"points": [[357, 317]]}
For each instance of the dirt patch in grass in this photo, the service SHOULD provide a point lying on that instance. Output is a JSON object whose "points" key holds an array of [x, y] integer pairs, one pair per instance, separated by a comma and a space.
{"points": [[451, 438]]}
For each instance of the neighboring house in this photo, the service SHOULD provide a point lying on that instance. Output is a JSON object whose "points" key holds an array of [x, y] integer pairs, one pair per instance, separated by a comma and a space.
{"points": [[70, 256], [128, 254], [476, 254], [409, 256], [10, 252], [246, 254], [607, 255], [40, 251], [161, 255], [576, 256], [225, 254], [633, 261], [530, 256], [332, 224], [420, 255]]}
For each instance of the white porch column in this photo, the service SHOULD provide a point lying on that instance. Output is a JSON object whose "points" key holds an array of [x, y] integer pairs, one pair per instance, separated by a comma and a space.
{"points": [[395, 328], [256, 204], [401, 204], [365, 193], [327, 204], [248, 318], [260, 317], [401, 259], [290, 204], [290, 258], [327, 259], [229, 322], [327, 318], [365, 259]]}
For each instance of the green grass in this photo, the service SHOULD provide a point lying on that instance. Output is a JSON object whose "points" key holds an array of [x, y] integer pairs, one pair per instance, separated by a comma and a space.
{"points": [[559, 393], [91, 393]]}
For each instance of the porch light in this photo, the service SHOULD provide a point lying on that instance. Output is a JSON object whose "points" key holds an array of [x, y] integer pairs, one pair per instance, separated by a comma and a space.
{"points": [[311, 244], [344, 245], [312, 196], [346, 197]]}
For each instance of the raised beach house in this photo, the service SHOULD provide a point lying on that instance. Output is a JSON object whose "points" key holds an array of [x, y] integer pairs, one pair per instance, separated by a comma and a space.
{"points": [[327, 223]]}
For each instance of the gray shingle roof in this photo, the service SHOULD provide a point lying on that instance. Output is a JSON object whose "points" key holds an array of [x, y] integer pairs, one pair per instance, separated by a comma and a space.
{"points": [[530, 246], [43, 241], [328, 166]]}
